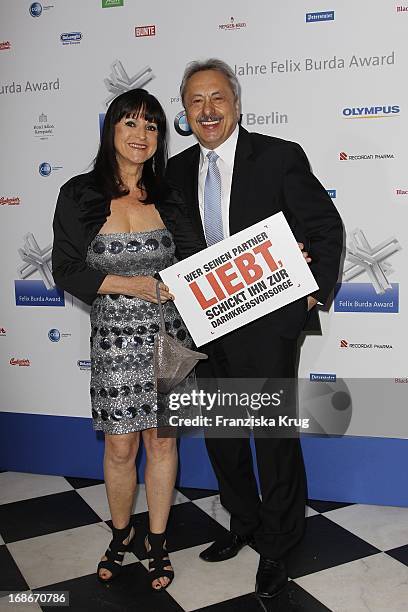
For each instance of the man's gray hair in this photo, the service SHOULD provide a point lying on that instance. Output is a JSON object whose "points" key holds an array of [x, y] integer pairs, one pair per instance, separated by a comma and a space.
{"points": [[211, 64]]}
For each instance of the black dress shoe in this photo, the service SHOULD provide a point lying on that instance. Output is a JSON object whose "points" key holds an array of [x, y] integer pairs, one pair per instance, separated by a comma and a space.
{"points": [[224, 548], [271, 577]]}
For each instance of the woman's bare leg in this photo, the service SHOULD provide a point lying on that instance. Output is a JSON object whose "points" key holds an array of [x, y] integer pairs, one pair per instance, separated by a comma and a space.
{"points": [[120, 480], [160, 477]]}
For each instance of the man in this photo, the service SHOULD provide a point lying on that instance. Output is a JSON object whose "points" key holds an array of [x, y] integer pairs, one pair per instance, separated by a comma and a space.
{"points": [[228, 181]]}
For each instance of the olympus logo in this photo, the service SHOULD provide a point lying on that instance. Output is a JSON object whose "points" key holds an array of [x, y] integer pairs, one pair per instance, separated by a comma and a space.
{"points": [[370, 112]]}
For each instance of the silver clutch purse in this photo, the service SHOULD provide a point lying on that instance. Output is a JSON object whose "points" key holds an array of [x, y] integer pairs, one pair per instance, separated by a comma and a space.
{"points": [[172, 361]]}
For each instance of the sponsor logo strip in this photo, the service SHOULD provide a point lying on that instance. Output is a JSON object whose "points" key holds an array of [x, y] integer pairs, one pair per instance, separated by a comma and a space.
{"points": [[112, 3], [362, 297], [20, 362], [371, 112], [322, 377], [84, 364], [9, 201], [320, 16], [71, 38], [149, 30], [34, 293]]}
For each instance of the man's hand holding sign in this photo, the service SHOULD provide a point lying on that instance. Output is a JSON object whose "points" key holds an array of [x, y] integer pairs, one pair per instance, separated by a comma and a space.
{"points": [[240, 279]]}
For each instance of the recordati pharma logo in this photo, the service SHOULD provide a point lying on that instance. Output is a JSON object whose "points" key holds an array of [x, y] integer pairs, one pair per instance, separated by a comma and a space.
{"points": [[364, 345], [371, 112], [343, 156]]}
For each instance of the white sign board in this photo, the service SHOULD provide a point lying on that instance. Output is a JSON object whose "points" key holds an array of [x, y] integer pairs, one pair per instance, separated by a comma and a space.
{"points": [[240, 279]]}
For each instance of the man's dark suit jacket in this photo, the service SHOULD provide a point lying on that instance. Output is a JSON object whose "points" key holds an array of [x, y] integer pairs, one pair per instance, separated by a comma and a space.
{"points": [[270, 175]]}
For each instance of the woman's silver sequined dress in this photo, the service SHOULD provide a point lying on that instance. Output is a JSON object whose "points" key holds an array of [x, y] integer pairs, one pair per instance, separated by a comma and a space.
{"points": [[123, 330]]}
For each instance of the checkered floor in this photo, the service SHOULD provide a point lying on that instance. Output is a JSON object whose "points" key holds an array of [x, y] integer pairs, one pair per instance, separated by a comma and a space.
{"points": [[53, 530]]}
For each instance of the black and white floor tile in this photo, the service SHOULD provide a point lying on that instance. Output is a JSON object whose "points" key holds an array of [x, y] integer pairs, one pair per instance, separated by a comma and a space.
{"points": [[53, 530]]}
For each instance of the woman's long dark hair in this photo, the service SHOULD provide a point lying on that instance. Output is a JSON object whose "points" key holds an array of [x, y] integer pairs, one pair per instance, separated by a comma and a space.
{"points": [[106, 170]]}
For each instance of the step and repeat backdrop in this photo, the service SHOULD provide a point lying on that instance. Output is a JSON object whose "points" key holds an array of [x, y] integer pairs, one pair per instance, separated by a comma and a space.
{"points": [[329, 75]]}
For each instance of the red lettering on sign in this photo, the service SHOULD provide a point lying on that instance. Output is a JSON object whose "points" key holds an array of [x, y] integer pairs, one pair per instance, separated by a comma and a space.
{"points": [[227, 279], [263, 249], [200, 297], [247, 271], [250, 271]]}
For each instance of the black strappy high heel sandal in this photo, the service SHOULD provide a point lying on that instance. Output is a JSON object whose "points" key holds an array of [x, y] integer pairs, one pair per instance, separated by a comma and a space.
{"points": [[158, 559], [115, 553]]}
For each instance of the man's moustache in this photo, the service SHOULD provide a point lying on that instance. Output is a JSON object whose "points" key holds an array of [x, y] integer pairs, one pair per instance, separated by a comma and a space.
{"points": [[209, 118]]}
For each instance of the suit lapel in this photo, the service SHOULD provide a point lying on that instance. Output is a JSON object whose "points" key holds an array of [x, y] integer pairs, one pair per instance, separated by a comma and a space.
{"points": [[239, 209]]}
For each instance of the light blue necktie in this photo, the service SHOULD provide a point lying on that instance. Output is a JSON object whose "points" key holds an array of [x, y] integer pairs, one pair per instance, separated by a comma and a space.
{"points": [[213, 227]]}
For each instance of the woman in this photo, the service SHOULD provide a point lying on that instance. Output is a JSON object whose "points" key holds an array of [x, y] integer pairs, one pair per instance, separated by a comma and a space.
{"points": [[109, 245]]}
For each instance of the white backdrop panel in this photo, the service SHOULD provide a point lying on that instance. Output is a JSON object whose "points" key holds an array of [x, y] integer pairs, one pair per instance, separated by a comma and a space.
{"points": [[301, 104]]}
